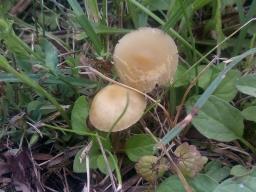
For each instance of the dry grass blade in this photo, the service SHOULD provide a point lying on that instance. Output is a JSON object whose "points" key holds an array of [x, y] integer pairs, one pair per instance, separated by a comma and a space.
{"points": [[107, 165]]}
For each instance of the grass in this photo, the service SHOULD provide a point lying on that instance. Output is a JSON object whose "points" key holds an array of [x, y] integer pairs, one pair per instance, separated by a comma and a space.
{"points": [[53, 52]]}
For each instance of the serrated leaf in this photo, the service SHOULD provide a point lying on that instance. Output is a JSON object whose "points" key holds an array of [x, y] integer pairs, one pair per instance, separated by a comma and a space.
{"points": [[138, 146], [79, 114], [219, 120], [247, 85], [250, 113], [190, 161], [244, 184]]}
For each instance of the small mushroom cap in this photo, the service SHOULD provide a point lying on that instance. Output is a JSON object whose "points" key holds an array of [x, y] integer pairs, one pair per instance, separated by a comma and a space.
{"points": [[146, 57], [116, 105]]}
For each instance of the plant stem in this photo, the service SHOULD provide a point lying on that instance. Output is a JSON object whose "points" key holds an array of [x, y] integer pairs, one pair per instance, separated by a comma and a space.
{"points": [[83, 133]]}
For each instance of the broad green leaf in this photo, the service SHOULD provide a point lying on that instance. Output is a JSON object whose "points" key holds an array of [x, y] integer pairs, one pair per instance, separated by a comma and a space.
{"points": [[227, 89], [247, 85], [250, 113], [33, 105], [200, 183], [239, 170], [79, 114], [181, 77], [219, 120], [216, 171], [203, 183], [102, 164], [243, 184], [171, 184], [138, 146], [253, 173], [79, 163], [207, 77]]}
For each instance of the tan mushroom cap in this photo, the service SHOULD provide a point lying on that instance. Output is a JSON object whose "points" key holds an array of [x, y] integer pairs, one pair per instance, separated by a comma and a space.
{"points": [[116, 102], [146, 57]]}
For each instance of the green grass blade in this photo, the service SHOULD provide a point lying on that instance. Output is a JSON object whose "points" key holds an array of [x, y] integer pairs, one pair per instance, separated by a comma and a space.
{"points": [[33, 84], [84, 22], [244, 18], [76, 7], [92, 10], [176, 14]]}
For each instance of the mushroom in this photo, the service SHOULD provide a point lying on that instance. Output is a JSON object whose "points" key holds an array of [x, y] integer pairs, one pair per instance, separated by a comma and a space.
{"points": [[115, 108], [145, 58]]}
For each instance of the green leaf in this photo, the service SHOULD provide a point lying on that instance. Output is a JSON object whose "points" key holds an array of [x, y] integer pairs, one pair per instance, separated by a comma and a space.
{"points": [[250, 113], [51, 55], [203, 183], [216, 171], [244, 184], [102, 164], [247, 85], [158, 5], [33, 105], [171, 184], [76, 7], [219, 120], [227, 89], [181, 77], [90, 32], [79, 114], [92, 10], [84, 22], [138, 146], [79, 163], [239, 170]]}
